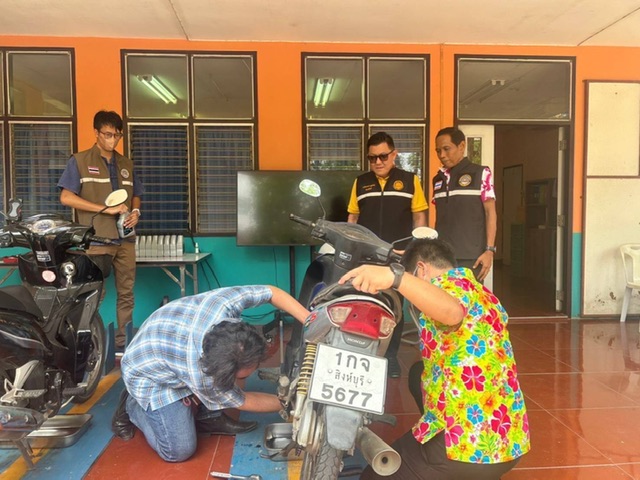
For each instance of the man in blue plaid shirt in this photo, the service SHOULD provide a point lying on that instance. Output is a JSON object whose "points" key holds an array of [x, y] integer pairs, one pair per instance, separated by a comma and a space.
{"points": [[181, 368]]}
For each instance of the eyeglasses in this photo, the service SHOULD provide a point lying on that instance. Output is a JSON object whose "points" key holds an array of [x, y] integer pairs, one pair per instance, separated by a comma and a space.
{"points": [[383, 157], [109, 135]]}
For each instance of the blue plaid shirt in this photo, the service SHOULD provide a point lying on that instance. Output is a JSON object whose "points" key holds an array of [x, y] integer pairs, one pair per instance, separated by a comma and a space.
{"points": [[161, 365]]}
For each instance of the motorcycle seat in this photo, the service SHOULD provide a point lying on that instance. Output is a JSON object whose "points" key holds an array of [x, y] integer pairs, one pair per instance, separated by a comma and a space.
{"points": [[17, 297], [337, 290]]}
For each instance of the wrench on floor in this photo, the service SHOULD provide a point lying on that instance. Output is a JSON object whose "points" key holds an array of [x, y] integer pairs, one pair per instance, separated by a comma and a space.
{"points": [[236, 477]]}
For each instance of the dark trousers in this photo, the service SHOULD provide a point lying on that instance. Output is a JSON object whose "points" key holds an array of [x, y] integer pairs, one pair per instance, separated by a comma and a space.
{"points": [[429, 461]]}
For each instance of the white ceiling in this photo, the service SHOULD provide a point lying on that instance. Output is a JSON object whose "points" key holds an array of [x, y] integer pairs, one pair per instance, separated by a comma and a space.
{"points": [[506, 22]]}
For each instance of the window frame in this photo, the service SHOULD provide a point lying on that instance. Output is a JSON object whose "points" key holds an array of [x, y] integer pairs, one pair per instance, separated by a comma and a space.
{"points": [[571, 61], [192, 123], [367, 124], [6, 119]]}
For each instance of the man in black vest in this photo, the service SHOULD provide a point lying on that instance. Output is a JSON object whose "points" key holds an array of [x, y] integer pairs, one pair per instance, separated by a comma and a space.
{"points": [[465, 203], [391, 203], [84, 185]]}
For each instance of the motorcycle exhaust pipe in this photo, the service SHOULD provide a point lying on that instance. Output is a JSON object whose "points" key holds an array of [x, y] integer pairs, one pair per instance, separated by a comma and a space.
{"points": [[383, 459]]}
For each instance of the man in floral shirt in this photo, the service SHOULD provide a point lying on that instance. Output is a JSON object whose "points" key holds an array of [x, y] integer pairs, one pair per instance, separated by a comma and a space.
{"points": [[475, 423]]}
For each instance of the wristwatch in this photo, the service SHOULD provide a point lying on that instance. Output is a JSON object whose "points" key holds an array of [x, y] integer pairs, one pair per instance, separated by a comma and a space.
{"points": [[398, 271], [491, 249]]}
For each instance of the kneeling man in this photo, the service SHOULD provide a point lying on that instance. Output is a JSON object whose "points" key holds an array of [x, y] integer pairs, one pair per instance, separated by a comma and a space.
{"points": [[180, 370]]}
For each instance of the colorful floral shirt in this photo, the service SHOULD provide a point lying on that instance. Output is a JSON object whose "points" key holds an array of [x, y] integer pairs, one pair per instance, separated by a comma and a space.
{"points": [[470, 381]]}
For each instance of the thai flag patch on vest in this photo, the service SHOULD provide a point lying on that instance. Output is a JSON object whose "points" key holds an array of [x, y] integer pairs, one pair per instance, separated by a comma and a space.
{"points": [[94, 170]]}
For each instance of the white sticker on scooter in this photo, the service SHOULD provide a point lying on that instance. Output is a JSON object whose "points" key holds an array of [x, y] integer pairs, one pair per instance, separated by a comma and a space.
{"points": [[48, 276], [345, 256], [43, 256]]}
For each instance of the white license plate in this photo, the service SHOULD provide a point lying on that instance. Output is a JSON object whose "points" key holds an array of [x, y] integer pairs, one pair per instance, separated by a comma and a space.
{"points": [[349, 379]]}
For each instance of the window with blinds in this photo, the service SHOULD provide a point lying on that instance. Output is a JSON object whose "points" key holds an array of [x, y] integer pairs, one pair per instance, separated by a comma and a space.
{"points": [[334, 147], [39, 154], [198, 131], [348, 98], [409, 141], [160, 155], [221, 151], [37, 126]]}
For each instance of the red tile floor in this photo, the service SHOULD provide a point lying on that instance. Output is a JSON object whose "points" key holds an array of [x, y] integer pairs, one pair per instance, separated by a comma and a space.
{"points": [[582, 386]]}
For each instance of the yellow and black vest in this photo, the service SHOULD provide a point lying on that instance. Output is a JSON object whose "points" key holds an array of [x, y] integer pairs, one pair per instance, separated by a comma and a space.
{"points": [[387, 213], [96, 185]]}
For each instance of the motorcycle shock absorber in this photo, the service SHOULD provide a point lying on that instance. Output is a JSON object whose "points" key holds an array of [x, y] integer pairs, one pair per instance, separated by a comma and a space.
{"points": [[307, 368]]}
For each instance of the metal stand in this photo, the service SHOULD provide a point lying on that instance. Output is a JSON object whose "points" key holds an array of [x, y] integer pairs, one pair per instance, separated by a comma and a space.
{"points": [[56, 432]]}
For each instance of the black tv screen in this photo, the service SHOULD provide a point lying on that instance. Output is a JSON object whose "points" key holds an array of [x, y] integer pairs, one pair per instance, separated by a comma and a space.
{"points": [[266, 198]]}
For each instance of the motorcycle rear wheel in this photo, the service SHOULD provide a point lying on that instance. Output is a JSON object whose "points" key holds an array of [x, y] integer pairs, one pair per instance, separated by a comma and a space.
{"points": [[322, 461], [95, 362]]}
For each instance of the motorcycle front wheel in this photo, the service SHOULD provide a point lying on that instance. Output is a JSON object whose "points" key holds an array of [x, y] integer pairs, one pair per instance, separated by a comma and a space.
{"points": [[95, 362], [321, 461]]}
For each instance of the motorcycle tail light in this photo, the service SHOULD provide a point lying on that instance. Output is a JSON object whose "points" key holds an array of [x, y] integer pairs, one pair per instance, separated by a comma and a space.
{"points": [[362, 318]]}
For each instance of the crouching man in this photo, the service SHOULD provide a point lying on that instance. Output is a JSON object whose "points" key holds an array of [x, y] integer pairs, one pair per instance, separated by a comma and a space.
{"points": [[180, 370]]}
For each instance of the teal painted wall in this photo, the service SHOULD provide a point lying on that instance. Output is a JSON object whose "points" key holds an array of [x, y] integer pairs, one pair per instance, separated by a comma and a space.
{"points": [[576, 275], [233, 265]]}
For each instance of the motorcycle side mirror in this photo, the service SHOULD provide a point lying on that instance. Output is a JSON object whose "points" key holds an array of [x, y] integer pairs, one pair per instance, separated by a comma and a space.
{"points": [[15, 210], [115, 198], [311, 188], [424, 232], [417, 233]]}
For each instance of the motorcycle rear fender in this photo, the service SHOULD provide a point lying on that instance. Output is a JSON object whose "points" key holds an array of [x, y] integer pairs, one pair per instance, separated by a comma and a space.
{"points": [[342, 426]]}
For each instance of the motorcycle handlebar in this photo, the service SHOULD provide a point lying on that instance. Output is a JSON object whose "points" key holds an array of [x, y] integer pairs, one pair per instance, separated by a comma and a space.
{"points": [[394, 257], [301, 220], [106, 241]]}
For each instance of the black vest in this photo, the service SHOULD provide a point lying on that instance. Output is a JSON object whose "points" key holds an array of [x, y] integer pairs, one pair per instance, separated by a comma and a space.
{"points": [[460, 217], [386, 213]]}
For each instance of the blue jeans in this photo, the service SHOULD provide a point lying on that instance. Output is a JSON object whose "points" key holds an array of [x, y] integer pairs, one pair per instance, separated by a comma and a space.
{"points": [[170, 430]]}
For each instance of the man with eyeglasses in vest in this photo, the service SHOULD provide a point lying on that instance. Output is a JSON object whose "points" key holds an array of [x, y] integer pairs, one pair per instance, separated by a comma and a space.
{"points": [[391, 203], [89, 177]]}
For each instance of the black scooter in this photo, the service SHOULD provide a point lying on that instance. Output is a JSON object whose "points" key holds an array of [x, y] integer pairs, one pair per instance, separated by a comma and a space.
{"points": [[332, 383], [52, 339]]}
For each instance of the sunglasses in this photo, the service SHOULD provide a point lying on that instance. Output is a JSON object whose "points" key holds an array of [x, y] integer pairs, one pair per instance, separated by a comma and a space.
{"points": [[383, 157]]}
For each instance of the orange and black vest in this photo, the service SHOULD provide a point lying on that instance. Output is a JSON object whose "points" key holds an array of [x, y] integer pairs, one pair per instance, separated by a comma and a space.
{"points": [[95, 185], [460, 217], [387, 213]]}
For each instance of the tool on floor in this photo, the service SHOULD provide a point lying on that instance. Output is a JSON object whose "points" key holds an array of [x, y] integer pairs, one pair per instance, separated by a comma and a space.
{"points": [[237, 477]]}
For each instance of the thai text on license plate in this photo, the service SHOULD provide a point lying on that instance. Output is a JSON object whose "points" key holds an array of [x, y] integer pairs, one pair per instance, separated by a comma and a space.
{"points": [[349, 379]]}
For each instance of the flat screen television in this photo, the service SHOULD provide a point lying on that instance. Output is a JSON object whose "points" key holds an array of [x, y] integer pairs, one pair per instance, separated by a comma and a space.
{"points": [[266, 198]]}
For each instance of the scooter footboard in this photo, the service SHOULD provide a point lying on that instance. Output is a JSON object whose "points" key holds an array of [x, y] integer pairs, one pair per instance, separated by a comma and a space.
{"points": [[342, 426]]}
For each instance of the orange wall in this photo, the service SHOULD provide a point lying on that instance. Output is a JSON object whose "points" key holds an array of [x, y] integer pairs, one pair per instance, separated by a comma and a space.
{"points": [[98, 85]]}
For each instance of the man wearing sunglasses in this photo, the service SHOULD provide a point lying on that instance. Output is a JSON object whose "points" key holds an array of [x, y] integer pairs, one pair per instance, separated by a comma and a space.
{"points": [[391, 203], [89, 177]]}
